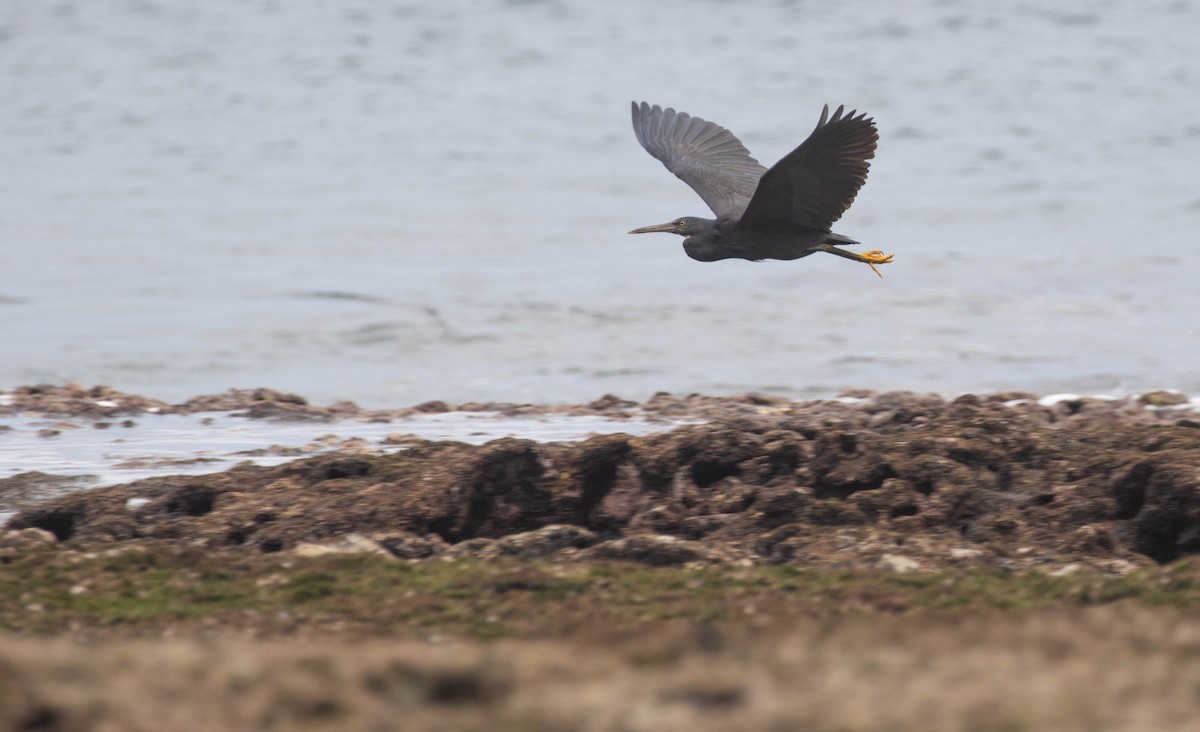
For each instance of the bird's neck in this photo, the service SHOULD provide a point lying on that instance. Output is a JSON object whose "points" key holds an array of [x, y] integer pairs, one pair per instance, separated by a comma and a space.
{"points": [[707, 246]]}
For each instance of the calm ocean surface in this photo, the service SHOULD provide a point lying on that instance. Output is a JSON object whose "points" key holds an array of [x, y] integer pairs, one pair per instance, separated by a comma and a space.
{"points": [[393, 202]]}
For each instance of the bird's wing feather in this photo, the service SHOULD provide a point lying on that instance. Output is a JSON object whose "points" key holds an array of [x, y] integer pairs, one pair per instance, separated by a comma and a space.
{"points": [[813, 185], [702, 154]]}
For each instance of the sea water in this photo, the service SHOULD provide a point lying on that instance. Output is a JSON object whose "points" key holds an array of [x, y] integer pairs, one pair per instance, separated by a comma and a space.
{"points": [[392, 202]]}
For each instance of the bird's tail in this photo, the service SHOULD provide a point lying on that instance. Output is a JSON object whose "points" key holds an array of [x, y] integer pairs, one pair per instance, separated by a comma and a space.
{"points": [[839, 240]]}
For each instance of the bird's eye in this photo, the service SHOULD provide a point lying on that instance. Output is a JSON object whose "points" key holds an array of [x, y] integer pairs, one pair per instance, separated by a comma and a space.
{"points": [[681, 224]]}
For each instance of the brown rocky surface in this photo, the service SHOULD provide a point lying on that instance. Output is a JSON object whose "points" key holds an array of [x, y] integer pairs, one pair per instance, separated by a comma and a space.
{"points": [[878, 562], [892, 479]]}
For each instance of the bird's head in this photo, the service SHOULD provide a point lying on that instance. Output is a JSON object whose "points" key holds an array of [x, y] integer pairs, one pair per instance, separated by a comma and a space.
{"points": [[685, 226], [703, 237]]}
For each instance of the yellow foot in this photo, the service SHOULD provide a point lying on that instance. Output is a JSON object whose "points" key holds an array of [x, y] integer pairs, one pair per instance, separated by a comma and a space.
{"points": [[875, 257]]}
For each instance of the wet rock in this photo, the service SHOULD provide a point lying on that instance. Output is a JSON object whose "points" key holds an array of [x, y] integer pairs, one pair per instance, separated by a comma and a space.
{"points": [[608, 402], [846, 461], [77, 400], [25, 490], [432, 407], [780, 506], [346, 468], [731, 495], [1163, 398], [504, 491], [620, 503], [285, 411], [190, 500], [930, 472], [595, 471], [1098, 482], [894, 498], [713, 452], [59, 521], [1129, 488], [1168, 524]]}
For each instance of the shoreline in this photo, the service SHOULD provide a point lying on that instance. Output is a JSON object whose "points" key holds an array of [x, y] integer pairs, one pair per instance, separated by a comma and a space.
{"points": [[865, 460], [1008, 480], [897, 550], [101, 401]]}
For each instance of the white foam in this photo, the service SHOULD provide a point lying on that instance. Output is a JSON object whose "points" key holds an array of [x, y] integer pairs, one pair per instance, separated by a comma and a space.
{"points": [[1051, 399]]}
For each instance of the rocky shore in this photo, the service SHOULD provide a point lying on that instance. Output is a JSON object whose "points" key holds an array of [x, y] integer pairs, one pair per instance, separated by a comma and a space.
{"points": [[740, 530], [892, 480]]}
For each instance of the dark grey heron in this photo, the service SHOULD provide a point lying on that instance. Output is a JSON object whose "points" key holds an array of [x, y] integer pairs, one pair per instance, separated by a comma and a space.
{"points": [[781, 213]]}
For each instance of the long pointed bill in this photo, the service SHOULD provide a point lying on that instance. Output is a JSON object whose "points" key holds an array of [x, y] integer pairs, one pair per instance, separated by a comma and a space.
{"points": [[657, 227]]}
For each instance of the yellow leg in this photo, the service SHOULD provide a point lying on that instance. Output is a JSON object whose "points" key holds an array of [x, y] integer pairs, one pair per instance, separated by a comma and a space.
{"points": [[870, 258]]}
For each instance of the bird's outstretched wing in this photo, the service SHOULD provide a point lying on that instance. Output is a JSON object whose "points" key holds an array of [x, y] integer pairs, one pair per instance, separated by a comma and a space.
{"points": [[702, 154], [813, 185]]}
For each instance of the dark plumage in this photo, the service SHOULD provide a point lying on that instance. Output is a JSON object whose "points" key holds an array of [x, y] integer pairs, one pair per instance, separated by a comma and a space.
{"points": [[784, 212]]}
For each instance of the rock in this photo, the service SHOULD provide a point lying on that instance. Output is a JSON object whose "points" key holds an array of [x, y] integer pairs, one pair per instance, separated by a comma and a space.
{"points": [[546, 541], [898, 563], [26, 538], [779, 507], [348, 544], [478, 547], [1167, 524], [833, 483], [610, 402], [435, 406], [1163, 398], [846, 461], [1093, 539], [731, 495], [964, 552], [405, 545], [654, 550]]}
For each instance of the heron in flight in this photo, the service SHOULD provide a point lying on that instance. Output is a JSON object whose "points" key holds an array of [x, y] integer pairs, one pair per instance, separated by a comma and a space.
{"points": [[781, 213]]}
